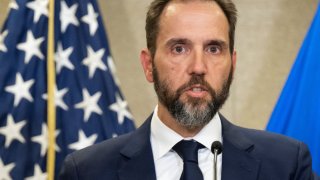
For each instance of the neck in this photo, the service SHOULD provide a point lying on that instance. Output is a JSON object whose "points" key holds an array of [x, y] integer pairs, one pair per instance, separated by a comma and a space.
{"points": [[173, 124]]}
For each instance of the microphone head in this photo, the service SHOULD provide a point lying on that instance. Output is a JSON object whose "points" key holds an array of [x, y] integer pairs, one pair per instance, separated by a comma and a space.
{"points": [[216, 145]]}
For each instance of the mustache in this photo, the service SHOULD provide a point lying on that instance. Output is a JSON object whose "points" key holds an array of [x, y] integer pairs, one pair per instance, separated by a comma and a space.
{"points": [[195, 80]]}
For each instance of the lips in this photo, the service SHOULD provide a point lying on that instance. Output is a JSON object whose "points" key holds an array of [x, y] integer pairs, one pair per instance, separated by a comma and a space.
{"points": [[196, 90]]}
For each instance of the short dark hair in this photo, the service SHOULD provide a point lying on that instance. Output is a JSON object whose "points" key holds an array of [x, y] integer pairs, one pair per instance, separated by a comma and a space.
{"points": [[156, 9]]}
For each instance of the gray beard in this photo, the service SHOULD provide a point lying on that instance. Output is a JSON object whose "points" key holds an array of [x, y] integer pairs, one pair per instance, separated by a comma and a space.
{"points": [[191, 117], [195, 112]]}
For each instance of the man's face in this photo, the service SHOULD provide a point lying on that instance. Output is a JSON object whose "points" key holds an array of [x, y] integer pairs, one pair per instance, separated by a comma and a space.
{"points": [[192, 67]]}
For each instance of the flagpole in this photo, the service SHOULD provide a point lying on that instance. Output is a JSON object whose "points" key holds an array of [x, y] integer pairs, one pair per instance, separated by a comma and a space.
{"points": [[51, 116]]}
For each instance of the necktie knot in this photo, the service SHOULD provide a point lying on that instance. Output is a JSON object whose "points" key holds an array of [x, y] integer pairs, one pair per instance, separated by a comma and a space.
{"points": [[188, 150]]}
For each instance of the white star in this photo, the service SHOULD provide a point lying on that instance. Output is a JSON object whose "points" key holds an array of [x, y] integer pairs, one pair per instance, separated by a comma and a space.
{"points": [[94, 60], [42, 139], [37, 174], [83, 141], [113, 70], [13, 5], [12, 131], [31, 47], [91, 19], [68, 16], [120, 107], [39, 7], [62, 58], [58, 98], [3, 36], [5, 170], [20, 89], [89, 104]]}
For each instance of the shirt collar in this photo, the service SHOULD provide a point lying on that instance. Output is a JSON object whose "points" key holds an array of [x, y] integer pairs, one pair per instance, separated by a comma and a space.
{"points": [[163, 138]]}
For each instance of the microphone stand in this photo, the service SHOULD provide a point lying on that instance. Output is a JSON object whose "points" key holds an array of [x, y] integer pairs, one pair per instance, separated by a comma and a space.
{"points": [[215, 163], [216, 149]]}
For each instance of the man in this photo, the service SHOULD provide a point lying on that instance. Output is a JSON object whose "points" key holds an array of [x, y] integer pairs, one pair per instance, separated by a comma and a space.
{"points": [[191, 60]]}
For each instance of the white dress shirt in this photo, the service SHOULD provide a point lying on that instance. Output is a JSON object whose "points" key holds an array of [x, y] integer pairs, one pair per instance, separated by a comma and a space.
{"points": [[168, 164]]}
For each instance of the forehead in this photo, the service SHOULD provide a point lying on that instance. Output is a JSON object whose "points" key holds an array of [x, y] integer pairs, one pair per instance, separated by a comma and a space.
{"points": [[175, 5], [185, 18]]}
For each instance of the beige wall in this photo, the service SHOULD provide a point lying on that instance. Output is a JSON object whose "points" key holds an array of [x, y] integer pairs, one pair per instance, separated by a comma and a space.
{"points": [[268, 37]]}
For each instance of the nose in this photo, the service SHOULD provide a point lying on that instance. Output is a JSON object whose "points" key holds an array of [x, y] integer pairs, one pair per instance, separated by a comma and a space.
{"points": [[198, 64]]}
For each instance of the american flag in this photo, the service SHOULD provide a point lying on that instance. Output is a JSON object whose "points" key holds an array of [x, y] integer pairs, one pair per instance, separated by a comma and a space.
{"points": [[89, 105]]}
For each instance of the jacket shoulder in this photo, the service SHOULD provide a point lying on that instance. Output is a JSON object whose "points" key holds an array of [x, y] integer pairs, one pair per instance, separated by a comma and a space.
{"points": [[271, 141], [104, 159], [280, 156], [261, 139], [108, 148], [101, 159]]}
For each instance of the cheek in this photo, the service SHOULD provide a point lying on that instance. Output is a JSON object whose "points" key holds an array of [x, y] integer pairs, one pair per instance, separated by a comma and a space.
{"points": [[169, 70], [218, 75], [174, 78]]}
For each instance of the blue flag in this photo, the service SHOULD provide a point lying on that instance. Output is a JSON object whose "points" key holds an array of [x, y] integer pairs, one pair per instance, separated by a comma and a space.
{"points": [[297, 113], [89, 105]]}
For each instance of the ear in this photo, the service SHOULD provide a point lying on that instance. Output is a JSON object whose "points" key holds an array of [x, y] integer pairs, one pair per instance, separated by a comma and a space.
{"points": [[234, 59], [146, 62]]}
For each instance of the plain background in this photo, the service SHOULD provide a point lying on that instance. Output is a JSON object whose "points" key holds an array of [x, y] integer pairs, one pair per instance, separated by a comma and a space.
{"points": [[268, 37]]}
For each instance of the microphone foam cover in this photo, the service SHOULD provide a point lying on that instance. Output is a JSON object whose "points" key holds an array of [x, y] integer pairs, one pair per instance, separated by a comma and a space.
{"points": [[216, 145]]}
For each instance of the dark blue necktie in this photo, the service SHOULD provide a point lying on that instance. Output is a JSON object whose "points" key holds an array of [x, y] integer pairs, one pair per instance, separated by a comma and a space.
{"points": [[188, 151]]}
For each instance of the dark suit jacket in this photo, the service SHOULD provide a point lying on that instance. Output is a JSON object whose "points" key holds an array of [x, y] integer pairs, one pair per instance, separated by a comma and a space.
{"points": [[247, 154]]}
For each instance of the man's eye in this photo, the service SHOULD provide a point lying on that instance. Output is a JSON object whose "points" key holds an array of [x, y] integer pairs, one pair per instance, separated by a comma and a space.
{"points": [[179, 49], [214, 49]]}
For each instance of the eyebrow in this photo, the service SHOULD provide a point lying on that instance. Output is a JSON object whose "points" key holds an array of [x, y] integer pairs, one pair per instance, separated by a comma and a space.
{"points": [[220, 43], [177, 41]]}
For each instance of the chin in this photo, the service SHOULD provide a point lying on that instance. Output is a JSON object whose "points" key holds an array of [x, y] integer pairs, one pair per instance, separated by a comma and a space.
{"points": [[197, 102]]}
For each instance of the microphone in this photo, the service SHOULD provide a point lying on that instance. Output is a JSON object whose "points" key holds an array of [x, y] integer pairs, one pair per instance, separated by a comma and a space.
{"points": [[216, 149]]}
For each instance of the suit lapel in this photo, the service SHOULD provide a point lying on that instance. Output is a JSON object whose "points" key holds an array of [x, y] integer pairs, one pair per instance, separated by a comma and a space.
{"points": [[137, 159], [237, 161]]}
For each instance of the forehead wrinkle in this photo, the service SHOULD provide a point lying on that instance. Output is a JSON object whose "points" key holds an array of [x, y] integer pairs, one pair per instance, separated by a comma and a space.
{"points": [[175, 7], [178, 10]]}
